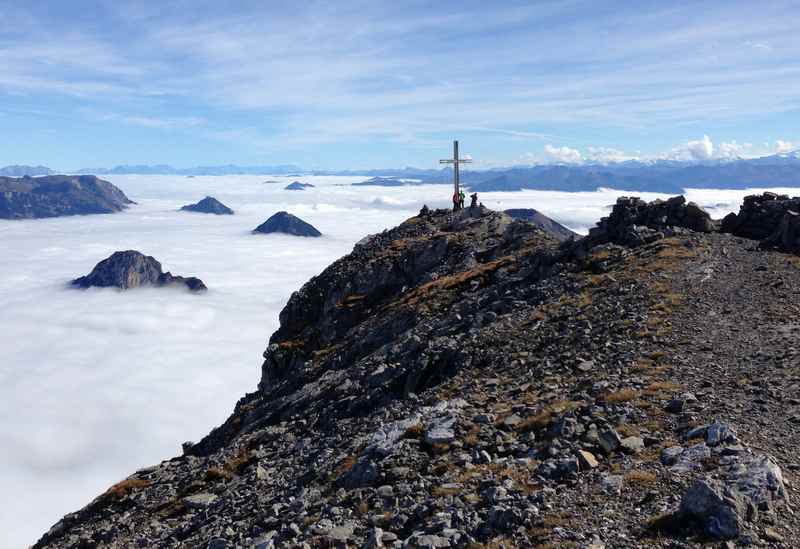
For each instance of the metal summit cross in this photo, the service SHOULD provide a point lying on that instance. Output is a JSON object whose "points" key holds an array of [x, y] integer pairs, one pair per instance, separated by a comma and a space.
{"points": [[455, 161]]}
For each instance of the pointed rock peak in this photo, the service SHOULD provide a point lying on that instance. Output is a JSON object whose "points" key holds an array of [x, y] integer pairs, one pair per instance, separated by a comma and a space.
{"points": [[209, 205], [132, 269], [284, 222]]}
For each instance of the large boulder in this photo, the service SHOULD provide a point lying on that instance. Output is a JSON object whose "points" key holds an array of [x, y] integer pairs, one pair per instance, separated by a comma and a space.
{"points": [[132, 269], [208, 205], [633, 221], [57, 195], [772, 218], [284, 222], [750, 486]]}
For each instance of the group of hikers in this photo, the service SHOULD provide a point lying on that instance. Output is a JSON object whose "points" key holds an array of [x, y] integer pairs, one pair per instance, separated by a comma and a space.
{"points": [[458, 200]]}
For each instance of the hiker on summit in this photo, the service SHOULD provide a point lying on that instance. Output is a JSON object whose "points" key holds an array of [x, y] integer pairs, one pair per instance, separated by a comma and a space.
{"points": [[474, 201], [461, 197], [456, 201]]}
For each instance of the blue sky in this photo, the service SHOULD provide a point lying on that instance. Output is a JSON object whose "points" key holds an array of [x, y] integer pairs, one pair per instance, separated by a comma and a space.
{"points": [[383, 84]]}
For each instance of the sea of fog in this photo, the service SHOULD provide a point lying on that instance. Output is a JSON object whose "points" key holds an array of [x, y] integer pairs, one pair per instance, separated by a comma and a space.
{"points": [[96, 384]]}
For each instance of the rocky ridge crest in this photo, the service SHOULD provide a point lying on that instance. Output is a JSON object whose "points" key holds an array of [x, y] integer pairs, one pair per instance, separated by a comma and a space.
{"points": [[466, 380]]}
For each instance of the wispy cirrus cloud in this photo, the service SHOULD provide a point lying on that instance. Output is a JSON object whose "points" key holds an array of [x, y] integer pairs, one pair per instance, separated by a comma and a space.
{"points": [[296, 75]]}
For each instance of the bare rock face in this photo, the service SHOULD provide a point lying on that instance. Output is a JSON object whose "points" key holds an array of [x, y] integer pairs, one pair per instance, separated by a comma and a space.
{"points": [[208, 205], [554, 228], [57, 195], [132, 269], [283, 222], [634, 222], [772, 218]]}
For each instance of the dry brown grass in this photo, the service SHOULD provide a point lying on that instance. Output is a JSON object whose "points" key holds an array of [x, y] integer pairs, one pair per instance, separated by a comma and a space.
{"points": [[623, 395], [216, 474], [439, 448], [638, 477], [415, 431], [471, 437], [345, 466], [421, 293], [584, 299], [292, 344], [659, 387], [627, 430], [126, 487], [443, 491], [543, 418]]}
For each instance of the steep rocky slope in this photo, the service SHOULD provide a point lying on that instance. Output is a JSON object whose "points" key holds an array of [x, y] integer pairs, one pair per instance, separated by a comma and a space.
{"points": [[57, 195], [465, 380]]}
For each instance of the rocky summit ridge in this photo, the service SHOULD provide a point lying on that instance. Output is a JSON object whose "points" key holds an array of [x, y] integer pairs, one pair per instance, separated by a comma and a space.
{"points": [[467, 380]]}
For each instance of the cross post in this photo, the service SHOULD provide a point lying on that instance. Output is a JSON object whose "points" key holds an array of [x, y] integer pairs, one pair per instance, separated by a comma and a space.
{"points": [[455, 161]]}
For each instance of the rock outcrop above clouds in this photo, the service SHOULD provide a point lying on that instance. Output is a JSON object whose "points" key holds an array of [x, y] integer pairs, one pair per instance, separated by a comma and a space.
{"points": [[132, 269], [298, 186], [286, 223], [468, 380], [772, 218], [57, 195], [555, 228], [208, 205]]}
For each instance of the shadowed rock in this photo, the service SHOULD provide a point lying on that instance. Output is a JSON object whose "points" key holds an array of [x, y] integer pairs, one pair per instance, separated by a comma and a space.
{"points": [[208, 205], [283, 222], [297, 186], [772, 218], [634, 222], [543, 222], [57, 195], [132, 269]]}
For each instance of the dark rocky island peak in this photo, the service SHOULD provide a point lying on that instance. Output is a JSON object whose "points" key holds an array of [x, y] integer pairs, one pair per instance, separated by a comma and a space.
{"points": [[57, 195], [132, 269], [284, 222], [298, 186], [208, 205]]}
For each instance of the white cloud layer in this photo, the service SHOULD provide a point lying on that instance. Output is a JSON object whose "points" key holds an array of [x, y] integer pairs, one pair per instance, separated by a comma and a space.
{"points": [[95, 384]]}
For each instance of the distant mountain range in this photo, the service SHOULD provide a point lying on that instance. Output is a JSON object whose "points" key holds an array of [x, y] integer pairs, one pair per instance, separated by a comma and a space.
{"points": [[665, 176], [780, 170], [21, 171], [163, 169]]}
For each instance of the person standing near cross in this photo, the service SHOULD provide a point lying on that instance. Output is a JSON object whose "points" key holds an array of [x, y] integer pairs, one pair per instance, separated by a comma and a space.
{"points": [[455, 161]]}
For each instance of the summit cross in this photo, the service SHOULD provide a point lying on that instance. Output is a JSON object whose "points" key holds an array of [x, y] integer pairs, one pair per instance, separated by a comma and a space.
{"points": [[455, 161]]}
